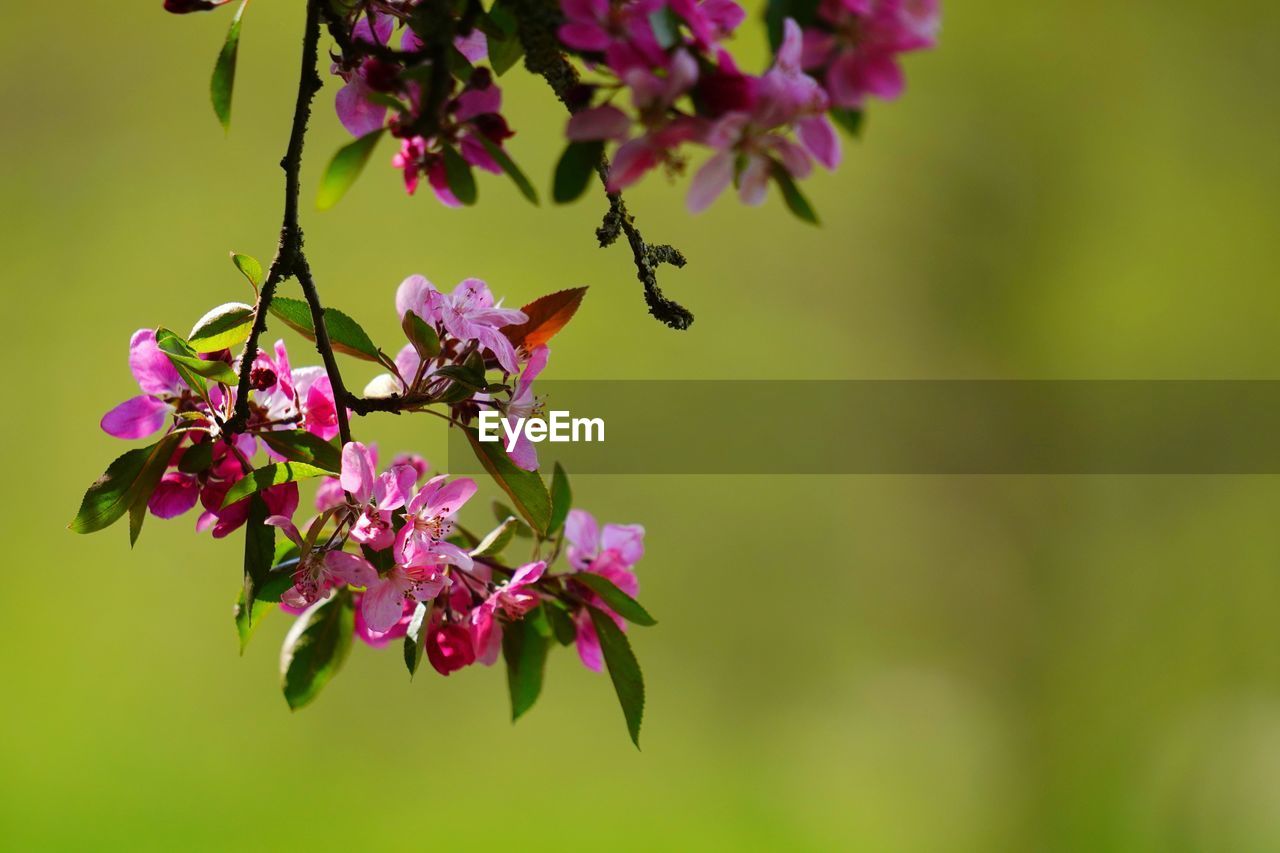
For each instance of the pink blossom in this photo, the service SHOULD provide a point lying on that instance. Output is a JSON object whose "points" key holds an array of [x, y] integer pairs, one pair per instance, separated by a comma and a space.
{"points": [[709, 20], [523, 404], [377, 496], [449, 647], [358, 109], [861, 47], [379, 639], [293, 398], [227, 469], [428, 519], [620, 30], [319, 571], [384, 599], [512, 599], [610, 553], [469, 313], [751, 144], [163, 391]]}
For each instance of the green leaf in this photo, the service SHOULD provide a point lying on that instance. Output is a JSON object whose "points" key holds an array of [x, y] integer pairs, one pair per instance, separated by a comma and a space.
{"points": [[666, 27], [345, 334], [501, 512], [423, 336], [509, 166], [562, 626], [573, 172], [796, 202], [457, 172], [415, 640], [624, 670], [259, 556], [504, 53], [621, 603], [223, 83], [247, 619], [197, 458], [315, 648], [525, 488], [344, 168], [561, 499], [275, 474], [525, 651], [114, 492], [152, 471], [465, 375], [249, 268], [850, 121], [497, 539], [188, 362], [298, 445], [222, 328]]}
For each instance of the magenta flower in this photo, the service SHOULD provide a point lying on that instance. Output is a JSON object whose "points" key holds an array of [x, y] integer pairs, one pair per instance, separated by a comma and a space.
{"points": [[358, 110], [163, 391], [620, 30], [376, 496], [750, 143], [513, 600], [379, 639], [523, 404], [610, 553], [385, 597], [469, 313], [449, 647], [428, 519], [293, 398], [861, 47], [319, 571], [230, 466]]}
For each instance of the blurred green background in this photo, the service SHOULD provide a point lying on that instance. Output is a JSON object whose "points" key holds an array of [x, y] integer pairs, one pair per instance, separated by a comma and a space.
{"points": [[1068, 190]]}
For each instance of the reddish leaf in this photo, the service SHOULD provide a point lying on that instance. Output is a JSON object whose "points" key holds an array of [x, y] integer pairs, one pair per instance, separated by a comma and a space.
{"points": [[547, 315]]}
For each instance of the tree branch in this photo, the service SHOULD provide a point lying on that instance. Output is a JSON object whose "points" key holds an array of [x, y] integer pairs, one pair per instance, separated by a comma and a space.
{"points": [[536, 26], [325, 347], [289, 249]]}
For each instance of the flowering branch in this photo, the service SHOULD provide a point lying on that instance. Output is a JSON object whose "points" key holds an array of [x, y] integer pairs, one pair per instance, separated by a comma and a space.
{"points": [[537, 25], [288, 255], [383, 558]]}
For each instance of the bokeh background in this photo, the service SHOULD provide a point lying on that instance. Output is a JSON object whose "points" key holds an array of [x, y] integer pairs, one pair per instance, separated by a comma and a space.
{"points": [[1069, 190]]}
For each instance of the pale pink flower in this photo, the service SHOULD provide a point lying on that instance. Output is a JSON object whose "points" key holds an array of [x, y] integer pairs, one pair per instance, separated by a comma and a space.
{"points": [[469, 313], [428, 520], [377, 496], [513, 600], [610, 553]]}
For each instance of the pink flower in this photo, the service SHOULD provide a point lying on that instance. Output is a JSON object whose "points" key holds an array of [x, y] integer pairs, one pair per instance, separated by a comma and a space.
{"points": [[709, 20], [379, 639], [384, 599], [164, 392], [428, 519], [620, 30], [359, 112], [449, 647], [513, 600], [376, 496], [610, 553], [293, 398], [860, 50], [319, 571], [227, 469], [750, 143], [522, 405], [469, 313]]}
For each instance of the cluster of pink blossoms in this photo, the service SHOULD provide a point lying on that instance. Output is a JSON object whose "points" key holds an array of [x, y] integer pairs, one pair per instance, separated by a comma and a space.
{"points": [[684, 86], [389, 539]]}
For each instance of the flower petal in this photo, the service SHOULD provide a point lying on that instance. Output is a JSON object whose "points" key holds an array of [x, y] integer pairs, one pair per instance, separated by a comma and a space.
{"points": [[136, 417]]}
